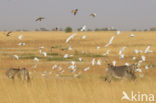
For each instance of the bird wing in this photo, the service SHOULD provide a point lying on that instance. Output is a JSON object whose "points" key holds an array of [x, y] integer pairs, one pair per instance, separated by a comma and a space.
{"points": [[9, 33], [70, 37], [39, 19]]}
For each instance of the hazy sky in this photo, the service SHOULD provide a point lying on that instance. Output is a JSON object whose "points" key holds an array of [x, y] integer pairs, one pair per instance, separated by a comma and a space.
{"points": [[121, 14]]}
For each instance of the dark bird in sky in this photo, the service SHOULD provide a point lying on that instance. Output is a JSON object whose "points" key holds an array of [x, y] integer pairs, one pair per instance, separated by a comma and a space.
{"points": [[9, 33], [40, 19], [93, 15], [75, 11]]}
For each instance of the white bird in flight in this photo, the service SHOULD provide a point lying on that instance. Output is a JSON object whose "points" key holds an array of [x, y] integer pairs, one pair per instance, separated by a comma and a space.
{"points": [[83, 28], [40, 50], [66, 56], [98, 62], [73, 62], [16, 56], [106, 53], [114, 63], [72, 67], [69, 48], [93, 62], [44, 54], [117, 32], [136, 51], [21, 44], [122, 49], [54, 66], [139, 62], [147, 50], [122, 56], [60, 68], [143, 58], [80, 59], [70, 37], [20, 37], [86, 69], [84, 37], [138, 70], [132, 35], [134, 58], [146, 67], [36, 59], [110, 41], [98, 47], [127, 64], [42, 47]]}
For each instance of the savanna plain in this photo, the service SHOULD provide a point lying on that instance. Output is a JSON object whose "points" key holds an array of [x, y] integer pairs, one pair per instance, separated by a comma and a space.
{"points": [[49, 85]]}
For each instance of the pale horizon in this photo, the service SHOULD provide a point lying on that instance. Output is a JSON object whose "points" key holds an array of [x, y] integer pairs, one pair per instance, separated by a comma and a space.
{"points": [[120, 14]]}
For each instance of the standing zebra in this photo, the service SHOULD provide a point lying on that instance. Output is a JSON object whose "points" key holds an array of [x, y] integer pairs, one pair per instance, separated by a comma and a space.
{"points": [[22, 74], [121, 72]]}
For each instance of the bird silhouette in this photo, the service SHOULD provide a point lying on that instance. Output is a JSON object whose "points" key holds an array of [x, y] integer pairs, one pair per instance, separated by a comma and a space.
{"points": [[16, 56], [93, 15], [9, 33], [40, 19], [75, 11]]}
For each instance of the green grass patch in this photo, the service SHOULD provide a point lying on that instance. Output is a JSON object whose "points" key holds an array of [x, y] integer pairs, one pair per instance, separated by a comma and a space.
{"points": [[66, 76], [61, 59], [4, 53], [153, 65], [93, 55], [57, 46], [30, 56], [52, 54]]}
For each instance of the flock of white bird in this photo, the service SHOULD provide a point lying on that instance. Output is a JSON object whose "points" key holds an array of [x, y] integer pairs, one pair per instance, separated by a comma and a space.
{"points": [[73, 67]]}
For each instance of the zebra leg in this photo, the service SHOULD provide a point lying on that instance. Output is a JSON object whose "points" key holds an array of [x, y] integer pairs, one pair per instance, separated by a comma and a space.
{"points": [[109, 79]]}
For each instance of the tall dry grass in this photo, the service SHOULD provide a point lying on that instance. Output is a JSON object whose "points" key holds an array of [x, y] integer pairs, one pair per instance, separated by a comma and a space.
{"points": [[90, 87]]}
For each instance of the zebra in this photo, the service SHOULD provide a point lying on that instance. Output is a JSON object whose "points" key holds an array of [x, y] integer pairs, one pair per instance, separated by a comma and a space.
{"points": [[120, 72], [11, 72], [22, 74]]}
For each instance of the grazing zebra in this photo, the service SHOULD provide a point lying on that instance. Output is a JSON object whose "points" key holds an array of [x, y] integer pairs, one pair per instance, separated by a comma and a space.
{"points": [[22, 74], [121, 72]]}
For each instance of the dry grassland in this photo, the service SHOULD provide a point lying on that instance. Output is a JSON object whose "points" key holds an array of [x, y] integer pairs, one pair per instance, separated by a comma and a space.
{"points": [[90, 86]]}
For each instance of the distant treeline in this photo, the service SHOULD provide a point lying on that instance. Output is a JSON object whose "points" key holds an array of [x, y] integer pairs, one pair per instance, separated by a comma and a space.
{"points": [[69, 29]]}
